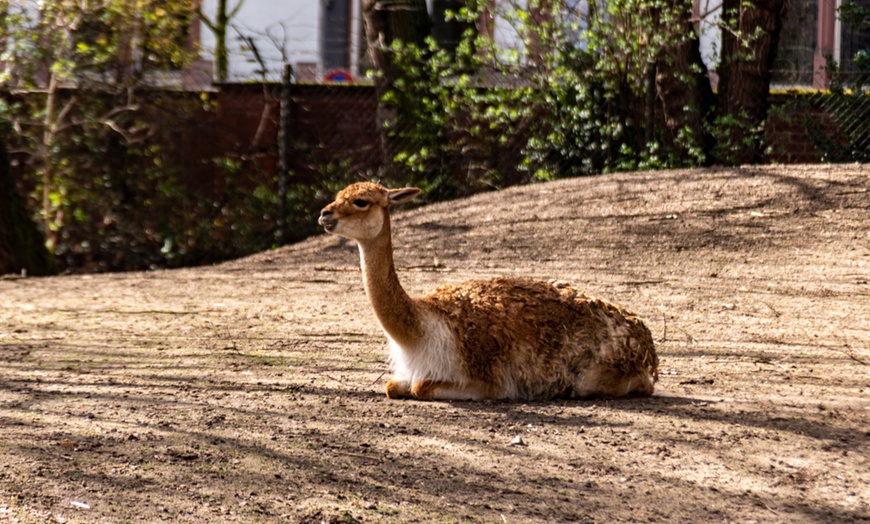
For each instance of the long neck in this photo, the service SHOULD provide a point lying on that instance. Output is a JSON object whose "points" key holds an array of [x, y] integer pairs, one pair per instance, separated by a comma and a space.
{"points": [[397, 313]]}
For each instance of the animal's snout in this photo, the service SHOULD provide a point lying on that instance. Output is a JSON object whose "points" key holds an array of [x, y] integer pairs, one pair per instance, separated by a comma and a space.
{"points": [[327, 219]]}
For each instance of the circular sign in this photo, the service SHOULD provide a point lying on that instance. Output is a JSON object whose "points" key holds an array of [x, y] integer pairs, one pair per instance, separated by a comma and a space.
{"points": [[338, 76]]}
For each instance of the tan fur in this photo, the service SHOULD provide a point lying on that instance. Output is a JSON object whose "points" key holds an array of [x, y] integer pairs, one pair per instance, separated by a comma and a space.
{"points": [[507, 338]]}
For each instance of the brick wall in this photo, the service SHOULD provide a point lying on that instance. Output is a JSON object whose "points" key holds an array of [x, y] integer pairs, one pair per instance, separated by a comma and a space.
{"points": [[327, 124], [334, 127], [792, 120]]}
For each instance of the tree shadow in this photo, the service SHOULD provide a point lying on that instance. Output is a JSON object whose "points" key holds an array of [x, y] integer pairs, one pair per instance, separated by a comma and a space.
{"points": [[337, 447]]}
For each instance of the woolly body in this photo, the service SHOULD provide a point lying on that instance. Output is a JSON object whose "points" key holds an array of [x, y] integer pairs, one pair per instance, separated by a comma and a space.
{"points": [[506, 338]]}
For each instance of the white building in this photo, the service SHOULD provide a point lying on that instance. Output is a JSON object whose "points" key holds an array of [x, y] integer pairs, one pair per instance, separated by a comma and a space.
{"points": [[320, 39], [296, 32], [321, 36]]}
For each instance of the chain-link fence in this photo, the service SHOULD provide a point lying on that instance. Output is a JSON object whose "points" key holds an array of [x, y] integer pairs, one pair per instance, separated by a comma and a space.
{"points": [[849, 140], [335, 139], [334, 133], [818, 126], [212, 182], [133, 175]]}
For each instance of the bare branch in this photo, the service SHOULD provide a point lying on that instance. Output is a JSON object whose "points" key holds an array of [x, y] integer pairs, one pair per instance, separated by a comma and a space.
{"points": [[235, 10], [211, 25], [120, 109], [111, 124], [62, 114]]}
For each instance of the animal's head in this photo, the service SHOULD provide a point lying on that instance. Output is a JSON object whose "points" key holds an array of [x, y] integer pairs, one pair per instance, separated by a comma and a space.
{"points": [[360, 210]]}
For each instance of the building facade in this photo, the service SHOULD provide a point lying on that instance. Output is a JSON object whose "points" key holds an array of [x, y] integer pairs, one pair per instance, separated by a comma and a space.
{"points": [[325, 40]]}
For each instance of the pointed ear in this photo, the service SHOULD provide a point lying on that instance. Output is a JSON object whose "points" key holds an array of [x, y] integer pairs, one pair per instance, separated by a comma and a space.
{"points": [[400, 196]]}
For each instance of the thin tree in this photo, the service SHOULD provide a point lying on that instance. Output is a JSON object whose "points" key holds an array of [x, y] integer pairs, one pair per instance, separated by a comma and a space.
{"points": [[22, 248], [219, 26], [390, 23]]}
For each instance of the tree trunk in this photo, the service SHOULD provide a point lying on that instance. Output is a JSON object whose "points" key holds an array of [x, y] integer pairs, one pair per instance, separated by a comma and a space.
{"points": [[688, 101], [220, 48], [47, 166], [388, 21], [749, 43], [219, 26], [22, 248]]}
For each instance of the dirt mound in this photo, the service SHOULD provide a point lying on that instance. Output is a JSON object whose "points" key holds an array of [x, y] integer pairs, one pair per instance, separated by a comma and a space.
{"points": [[252, 391]]}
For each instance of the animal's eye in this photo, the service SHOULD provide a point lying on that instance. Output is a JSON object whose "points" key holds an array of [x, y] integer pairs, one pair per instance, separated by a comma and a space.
{"points": [[360, 203]]}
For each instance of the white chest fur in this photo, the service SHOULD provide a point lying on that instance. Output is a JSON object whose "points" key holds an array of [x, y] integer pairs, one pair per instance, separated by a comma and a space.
{"points": [[434, 358]]}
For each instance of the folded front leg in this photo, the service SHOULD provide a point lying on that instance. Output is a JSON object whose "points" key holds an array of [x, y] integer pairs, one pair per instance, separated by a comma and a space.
{"points": [[445, 390]]}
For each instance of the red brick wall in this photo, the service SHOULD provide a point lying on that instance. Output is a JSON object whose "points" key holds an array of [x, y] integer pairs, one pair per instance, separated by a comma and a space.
{"points": [[789, 127], [334, 127], [328, 124]]}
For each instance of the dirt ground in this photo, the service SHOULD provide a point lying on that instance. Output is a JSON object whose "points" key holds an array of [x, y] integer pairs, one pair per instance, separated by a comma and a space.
{"points": [[253, 391]]}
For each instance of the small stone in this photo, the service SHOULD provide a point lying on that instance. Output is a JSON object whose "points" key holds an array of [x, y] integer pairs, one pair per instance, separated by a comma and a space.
{"points": [[518, 441]]}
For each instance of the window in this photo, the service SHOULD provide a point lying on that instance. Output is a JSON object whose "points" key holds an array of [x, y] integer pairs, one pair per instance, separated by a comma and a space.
{"points": [[797, 46]]}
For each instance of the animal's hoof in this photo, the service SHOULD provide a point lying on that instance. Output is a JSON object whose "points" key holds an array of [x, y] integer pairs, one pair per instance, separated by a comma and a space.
{"points": [[424, 389], [398, 389]]}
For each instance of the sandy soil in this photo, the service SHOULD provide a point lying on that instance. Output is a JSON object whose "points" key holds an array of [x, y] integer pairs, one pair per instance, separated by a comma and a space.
{"points": [[253, 391]]}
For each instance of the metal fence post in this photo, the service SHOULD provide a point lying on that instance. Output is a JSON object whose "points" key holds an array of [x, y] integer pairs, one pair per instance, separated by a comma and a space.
{"points": [[284, 154], [649, 130]]}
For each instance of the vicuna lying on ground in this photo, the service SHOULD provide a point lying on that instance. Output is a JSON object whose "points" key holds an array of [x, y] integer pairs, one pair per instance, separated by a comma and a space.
{"points": [[508, 338]]}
